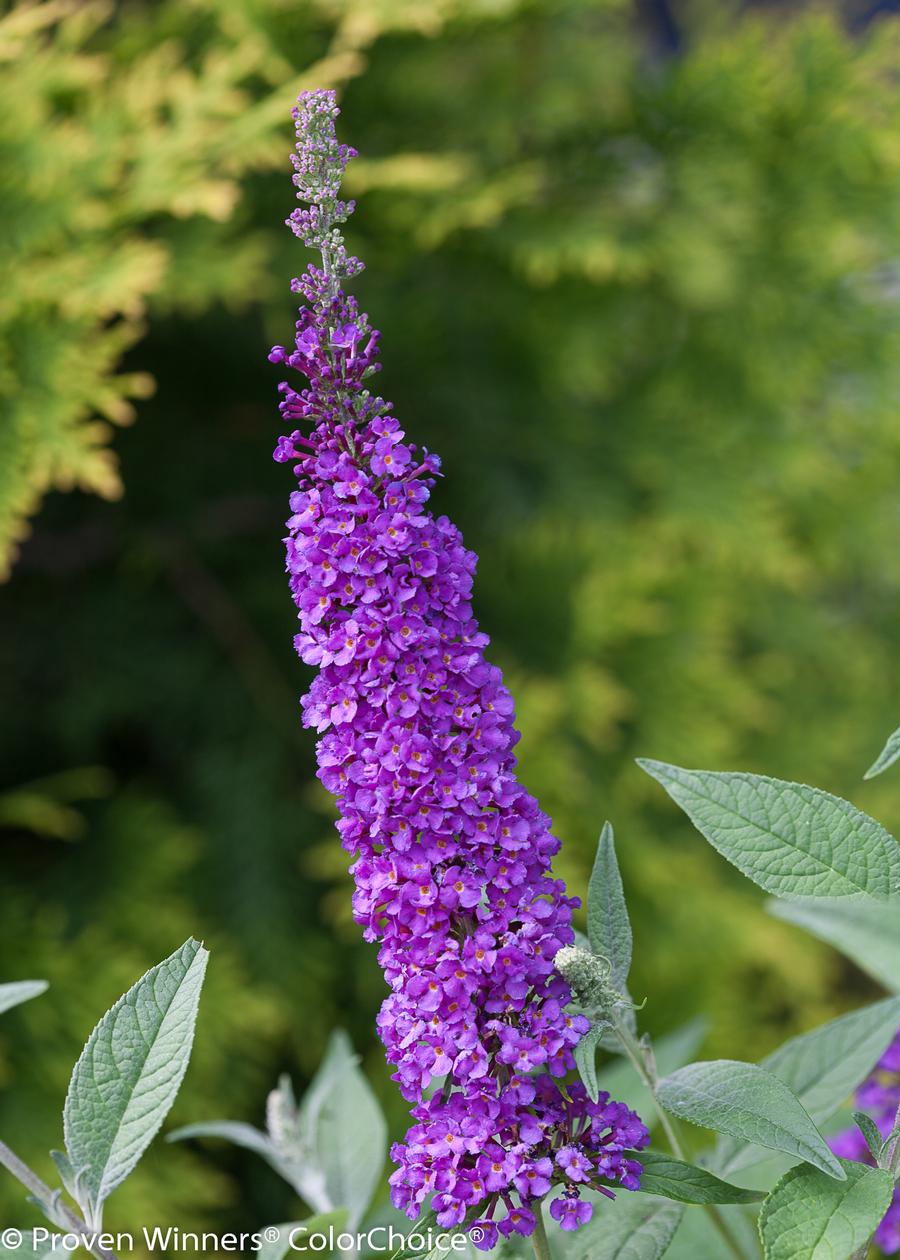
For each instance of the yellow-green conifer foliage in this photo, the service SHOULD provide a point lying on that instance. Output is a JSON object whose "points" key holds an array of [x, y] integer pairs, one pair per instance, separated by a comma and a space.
{"points": [[125, 134]]}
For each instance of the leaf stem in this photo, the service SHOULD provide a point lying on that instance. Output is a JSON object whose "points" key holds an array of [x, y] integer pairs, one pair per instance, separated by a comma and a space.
{"points": [[42, 1192], [539, 1237], [645, 1067]]}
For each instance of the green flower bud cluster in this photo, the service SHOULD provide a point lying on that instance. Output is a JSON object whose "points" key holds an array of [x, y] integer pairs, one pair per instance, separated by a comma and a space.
{"points": [[590, 978]]}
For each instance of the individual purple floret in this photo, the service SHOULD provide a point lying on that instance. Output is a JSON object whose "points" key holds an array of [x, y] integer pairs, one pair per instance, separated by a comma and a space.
{"points": [[452, 855], [879, 1096], [570, 1211]]}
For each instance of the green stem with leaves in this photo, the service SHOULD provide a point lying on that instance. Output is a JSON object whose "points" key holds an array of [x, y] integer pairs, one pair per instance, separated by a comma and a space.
{"points": [[646, 1069], [42, 1192], [890, 1160]]}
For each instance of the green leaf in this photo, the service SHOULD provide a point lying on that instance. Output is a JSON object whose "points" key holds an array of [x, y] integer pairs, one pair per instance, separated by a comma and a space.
{"points": [[822, 1068], [809, 1216], [792, 840], [870, 1131], [868, 932], [20, 991], [749, 1103], [345, 1129], [635, 1227], [672, 1051], [609, 928], [672, 1178], [586, 1058], [279, 1246], [886, 758], [699, 1239], [129, 1073]]}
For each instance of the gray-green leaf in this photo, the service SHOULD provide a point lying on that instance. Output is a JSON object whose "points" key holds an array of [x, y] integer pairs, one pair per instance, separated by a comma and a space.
{"points": [[20, 991], [886, 758], [299, 1172], [345, 1129], [276, 1242], [279, 1245], [235, 1131], [792, 840], [283, 1116], [129, 1073], [749, 1103], [609, 928], [871, 1132], [72, 1180], [674, 1179], [867, 931], [635, 1227], [586, 1058], [822, 1068], [809, 1216], [288, 1147], [293, 1142]]}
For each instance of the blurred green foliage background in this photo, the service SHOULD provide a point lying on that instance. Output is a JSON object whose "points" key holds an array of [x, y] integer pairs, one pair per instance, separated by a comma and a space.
{"points": [[638, 271]]}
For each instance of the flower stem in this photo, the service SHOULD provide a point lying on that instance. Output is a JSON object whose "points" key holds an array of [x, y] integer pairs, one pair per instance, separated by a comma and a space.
{"points": [[646, 1070], [539, 1237], [41, 1191]]}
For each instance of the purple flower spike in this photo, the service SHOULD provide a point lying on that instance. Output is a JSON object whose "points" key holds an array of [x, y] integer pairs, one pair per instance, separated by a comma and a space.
{"points": [[451, 854]]}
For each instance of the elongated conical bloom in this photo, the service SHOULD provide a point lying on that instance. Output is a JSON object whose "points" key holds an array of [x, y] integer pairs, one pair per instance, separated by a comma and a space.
{"points": [[452, 855], [879, 1097]]}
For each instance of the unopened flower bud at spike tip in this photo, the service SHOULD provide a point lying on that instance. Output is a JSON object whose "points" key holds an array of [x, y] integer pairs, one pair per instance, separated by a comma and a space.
{"points": [[589, 978], [452, 856]]}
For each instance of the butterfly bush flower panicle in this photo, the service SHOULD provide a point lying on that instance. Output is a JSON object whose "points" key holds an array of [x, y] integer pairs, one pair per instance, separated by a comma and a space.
{"points": [[451, 854], [879, 1097]]}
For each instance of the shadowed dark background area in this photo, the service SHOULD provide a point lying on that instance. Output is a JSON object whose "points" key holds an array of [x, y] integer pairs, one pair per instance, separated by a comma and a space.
{"points": [[636, 268]]}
